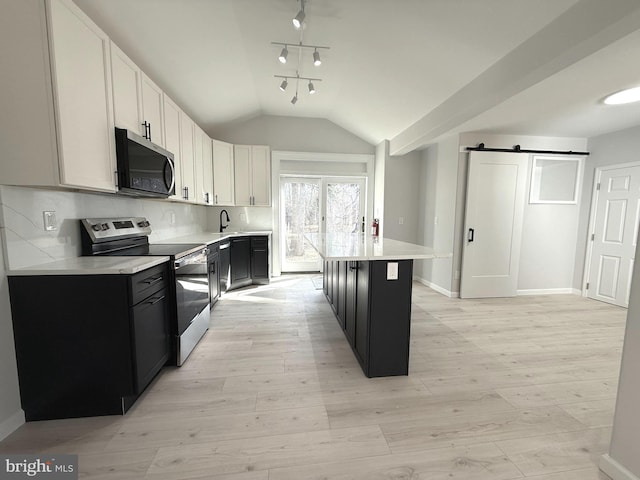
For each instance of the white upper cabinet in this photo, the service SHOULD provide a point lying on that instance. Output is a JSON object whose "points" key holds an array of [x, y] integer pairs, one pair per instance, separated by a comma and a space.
{"points": [[138, 103], [173, 140], [152, 111], [223, 177], [127, 97], [207, 170], [252, 172], [57, 111], [187, 155]]}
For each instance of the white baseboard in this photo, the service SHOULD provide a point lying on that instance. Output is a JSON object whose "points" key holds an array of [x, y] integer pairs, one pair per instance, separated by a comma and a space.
{"points": [[549, 291], [616, 471], [438, 288], [11, 424]]}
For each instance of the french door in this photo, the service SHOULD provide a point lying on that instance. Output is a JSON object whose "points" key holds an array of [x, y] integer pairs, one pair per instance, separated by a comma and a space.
{"points": [[317, 205]]}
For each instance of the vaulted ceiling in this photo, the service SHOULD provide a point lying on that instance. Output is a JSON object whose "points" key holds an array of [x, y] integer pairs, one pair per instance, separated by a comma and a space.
{"points": [[404, 70]]}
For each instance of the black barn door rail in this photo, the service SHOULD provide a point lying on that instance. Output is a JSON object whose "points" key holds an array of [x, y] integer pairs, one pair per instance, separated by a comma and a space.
{"points": [[518, 149]]}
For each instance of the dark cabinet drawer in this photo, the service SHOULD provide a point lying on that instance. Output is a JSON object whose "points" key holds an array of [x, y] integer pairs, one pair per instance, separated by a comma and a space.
{"points": [[150, 338], [148, 282]]}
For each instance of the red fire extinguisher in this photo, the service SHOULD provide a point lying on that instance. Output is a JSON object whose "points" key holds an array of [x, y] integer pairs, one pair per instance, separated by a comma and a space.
{"points": [[375, 227]]}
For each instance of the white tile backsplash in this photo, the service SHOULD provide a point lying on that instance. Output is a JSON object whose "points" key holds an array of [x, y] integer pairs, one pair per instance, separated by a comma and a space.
{"points": [[27, 242]]}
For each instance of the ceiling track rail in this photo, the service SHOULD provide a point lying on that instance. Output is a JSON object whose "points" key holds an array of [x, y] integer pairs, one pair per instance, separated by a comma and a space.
{"points": [[518, 149]]}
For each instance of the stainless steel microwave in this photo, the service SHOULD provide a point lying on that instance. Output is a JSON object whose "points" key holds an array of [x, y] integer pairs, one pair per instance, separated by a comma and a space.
{"points": [[143, 167]]}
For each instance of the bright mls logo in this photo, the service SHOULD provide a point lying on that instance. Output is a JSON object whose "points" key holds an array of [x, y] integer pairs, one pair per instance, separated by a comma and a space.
{"points": [[54, 467]]}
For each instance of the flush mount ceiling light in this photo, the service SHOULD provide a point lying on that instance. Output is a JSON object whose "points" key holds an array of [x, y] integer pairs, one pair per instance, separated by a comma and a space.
{"points": [[299, 18], [629, 95], [283, 54]]}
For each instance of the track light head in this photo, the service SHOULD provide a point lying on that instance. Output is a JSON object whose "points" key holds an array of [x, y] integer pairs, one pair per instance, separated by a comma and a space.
{"points": [[283, 85], [299, 18], [316, 58], [312, 89], [294, 99], [283, 55]]}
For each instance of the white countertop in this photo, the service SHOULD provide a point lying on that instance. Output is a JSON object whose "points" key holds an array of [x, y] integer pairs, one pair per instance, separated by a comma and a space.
{"points": [[357, 246], [210, 237], [91, 266]]}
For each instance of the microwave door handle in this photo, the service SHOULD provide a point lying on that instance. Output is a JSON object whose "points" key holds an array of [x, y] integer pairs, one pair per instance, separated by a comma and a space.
{"points": [[173, 175]]}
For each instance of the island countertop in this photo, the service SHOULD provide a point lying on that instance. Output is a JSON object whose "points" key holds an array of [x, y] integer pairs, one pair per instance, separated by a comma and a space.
{"points": [[357, 246]]}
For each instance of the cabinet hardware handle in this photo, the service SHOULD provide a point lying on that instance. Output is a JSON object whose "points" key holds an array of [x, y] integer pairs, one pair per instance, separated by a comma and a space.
{"points": [[115, 174], [470, 235], [146, 129], [149, 131], [206, 197], [154, 300], [216, 197], [152, 280]]}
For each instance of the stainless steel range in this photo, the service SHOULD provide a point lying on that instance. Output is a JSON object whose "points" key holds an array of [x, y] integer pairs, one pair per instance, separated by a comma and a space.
{"points": [[130, 237]]}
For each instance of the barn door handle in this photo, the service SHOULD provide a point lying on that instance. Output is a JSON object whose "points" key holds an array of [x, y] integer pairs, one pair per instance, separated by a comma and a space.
{"points": [[470, 235]]}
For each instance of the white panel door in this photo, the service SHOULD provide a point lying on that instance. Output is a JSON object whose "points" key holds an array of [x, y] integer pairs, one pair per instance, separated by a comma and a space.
{"points": [[261, 175], [615, 235], [152, 110], [223, 179], [242, 174], [493, 224], [126, 91]]}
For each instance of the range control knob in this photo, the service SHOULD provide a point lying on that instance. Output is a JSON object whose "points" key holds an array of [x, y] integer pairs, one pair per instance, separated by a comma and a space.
{"points": [[143, 223], [96, 227]]}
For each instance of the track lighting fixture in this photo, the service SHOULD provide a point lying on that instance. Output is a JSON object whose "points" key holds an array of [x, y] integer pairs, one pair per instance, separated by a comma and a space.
{"points": [[283, 85], [316, 58], [294, 99], [283, 55], [312, 89], [299, 18], [297, 78]]}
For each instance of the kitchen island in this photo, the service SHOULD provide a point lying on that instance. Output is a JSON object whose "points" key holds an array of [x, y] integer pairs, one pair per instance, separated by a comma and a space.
{"points": [[367, 281]]}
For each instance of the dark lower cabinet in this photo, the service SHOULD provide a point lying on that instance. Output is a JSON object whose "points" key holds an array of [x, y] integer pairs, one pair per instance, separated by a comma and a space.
{"points": [[248, 261], [213, 261], [88, 345], [225, 266], [240, 262], [376, 316], [260, 259]]}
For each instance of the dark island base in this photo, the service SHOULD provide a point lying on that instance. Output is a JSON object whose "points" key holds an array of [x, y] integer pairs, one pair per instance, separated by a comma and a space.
{"points": [[374, 311]]}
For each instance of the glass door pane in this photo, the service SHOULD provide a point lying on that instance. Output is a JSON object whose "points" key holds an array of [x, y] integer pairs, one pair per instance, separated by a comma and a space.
{"points": [[300, 210], [345, 205]]}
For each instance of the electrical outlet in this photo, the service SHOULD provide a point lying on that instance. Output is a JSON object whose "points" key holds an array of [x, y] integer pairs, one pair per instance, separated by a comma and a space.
{"points": [[50, 221], [401, 220], [243, 218]]}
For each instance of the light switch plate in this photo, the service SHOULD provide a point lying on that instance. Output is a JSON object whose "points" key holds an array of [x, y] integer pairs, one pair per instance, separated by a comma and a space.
{"points": [[50, 221], [392, 271]]}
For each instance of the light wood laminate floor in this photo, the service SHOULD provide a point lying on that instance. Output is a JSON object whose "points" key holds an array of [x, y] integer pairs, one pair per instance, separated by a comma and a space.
{"points": [[498, 389]]}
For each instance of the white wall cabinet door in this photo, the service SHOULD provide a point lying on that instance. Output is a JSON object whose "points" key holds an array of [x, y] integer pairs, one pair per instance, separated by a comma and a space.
{"points": [[252, 172], [242, 174], [126, 91], [173, 141], [84, 102], [187, 128], [493, 224], [223, 174], [152, 110], [617, 215], [203, 167], [261, 175]]}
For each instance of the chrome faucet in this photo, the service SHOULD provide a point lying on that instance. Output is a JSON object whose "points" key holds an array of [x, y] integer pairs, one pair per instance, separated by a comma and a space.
{"points": [[222, 227]]}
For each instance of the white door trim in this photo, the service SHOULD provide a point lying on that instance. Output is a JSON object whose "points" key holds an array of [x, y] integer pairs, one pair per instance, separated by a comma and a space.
{"points": [[597, 175]]}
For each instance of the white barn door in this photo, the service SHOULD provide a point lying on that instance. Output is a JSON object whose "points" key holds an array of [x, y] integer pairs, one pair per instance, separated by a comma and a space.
{"points": [[615, 233], [496, 188]]}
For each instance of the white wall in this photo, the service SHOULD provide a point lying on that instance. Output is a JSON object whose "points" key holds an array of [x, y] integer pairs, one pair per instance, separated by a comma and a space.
{"points": [[401, 197], [625, 436], [297, 134], [11, 415], [381, 157], [29, 244], [611, 149], [437, 217]]}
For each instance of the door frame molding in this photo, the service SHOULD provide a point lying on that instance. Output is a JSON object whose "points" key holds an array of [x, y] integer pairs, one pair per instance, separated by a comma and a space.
{"points": [[278, 156], [597, 175]]}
